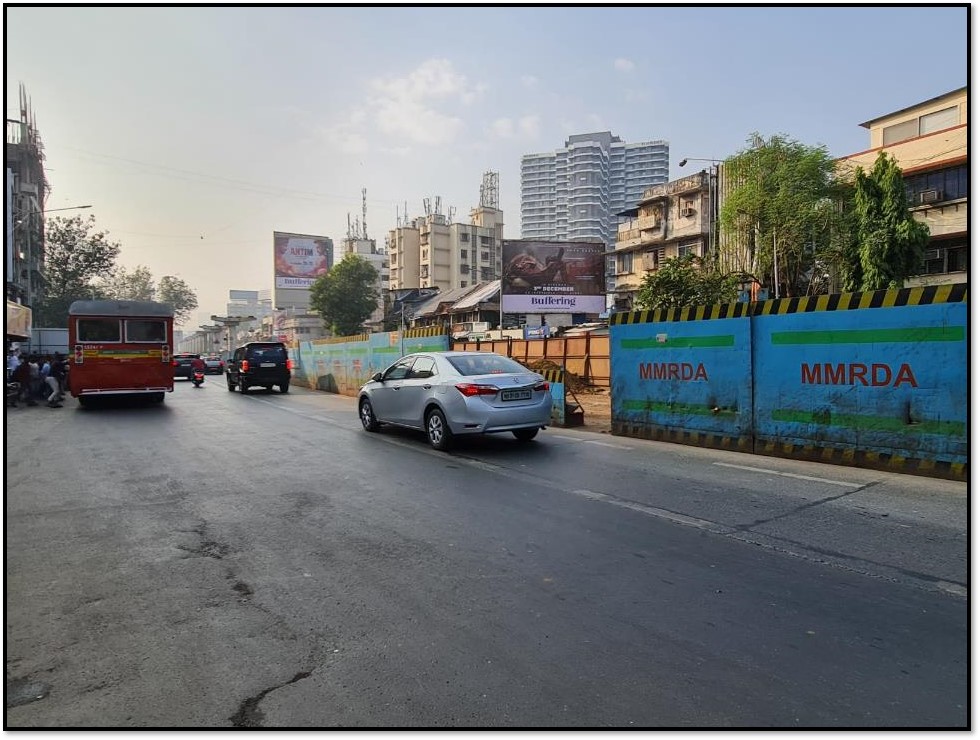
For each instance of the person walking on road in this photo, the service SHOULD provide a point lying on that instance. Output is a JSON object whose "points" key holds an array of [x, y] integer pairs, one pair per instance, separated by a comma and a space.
{"points": [[51, 381]]}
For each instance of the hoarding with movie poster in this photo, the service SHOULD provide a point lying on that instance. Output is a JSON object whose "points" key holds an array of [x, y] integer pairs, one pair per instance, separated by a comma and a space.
{"points": [[552, 277]]}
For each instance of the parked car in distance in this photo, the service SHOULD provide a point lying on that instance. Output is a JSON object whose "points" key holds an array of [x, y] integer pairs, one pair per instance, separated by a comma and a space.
{"points": [[215, 365], [182, 365], [451, 394], [259, 363]]}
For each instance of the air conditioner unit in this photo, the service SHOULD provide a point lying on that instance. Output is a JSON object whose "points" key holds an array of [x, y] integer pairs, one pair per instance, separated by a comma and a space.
{"points": [[930, 196], [685, 212]]}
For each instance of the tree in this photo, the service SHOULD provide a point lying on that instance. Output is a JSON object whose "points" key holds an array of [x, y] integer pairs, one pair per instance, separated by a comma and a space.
{"points": [[178, 294], [138, 285], [346, 296], [121, 284], [783, 203], [686, 281], [74, 255], [888, 242]]}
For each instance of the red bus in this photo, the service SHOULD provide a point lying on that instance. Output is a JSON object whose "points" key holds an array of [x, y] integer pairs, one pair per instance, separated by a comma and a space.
{"points": [[120, 348]]}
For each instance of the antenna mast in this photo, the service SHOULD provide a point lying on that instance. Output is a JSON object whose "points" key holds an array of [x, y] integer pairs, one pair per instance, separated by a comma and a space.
{"points": [[364, 212]]}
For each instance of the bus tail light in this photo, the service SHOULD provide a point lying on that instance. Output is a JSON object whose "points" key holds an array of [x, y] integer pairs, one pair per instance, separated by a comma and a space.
{"points": [[78, 354], [165, 354], [244, 366]]}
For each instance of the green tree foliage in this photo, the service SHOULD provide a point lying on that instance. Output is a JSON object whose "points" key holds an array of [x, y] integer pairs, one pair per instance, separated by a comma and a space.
{"points": [[888, 242], [784, 201], [138, 284], [121, 284], [74, 255], [686, 281], [346, 296], [178, 294]]}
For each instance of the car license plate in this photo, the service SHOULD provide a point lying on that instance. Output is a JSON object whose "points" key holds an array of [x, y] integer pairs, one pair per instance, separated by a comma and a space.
{"points": [[268, 364], [523, 395]]}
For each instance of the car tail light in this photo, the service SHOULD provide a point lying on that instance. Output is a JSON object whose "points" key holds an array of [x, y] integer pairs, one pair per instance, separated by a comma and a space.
{"points": [[289, 364], [78, 354], [542, 386], [174, 363], [473, 389], [244, 366]]}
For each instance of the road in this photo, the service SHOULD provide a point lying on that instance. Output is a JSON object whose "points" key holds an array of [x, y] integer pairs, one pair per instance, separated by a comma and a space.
{"points": [[261, 561]]}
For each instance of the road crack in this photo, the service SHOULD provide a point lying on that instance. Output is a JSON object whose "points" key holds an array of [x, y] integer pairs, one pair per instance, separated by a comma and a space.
{"points": [[249, 714]]}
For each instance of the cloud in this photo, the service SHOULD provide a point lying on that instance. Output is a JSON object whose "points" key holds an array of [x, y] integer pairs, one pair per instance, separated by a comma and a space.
{"points": [[529, 81], [415, 108], [526, 127], [624, 65]]}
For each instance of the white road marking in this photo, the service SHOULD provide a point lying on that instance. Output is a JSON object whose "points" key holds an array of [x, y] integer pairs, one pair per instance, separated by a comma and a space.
{"points": [[768, 471], [654, 511], [589, 441]]}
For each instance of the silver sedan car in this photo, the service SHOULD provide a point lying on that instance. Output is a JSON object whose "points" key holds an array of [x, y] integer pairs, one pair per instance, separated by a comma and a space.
{"points": [[449, 394]]}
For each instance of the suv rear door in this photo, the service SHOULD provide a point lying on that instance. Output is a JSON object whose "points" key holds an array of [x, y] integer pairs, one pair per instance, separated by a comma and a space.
{"points": [[267, 363]]}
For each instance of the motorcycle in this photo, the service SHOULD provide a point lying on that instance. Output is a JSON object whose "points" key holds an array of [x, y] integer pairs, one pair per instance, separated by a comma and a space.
{"points": [[198, 378]]}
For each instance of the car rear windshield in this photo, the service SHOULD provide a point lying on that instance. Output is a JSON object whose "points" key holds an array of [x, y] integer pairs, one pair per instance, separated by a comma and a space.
{"points": [[267, 354], [485, 364]]}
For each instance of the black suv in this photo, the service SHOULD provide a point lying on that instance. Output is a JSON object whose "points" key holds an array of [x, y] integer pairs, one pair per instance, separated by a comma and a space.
{"points": [[259, 363]]}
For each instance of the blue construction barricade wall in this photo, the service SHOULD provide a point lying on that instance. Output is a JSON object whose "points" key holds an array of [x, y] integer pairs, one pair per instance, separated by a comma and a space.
{"points": [[343, 364], [876, 379]]}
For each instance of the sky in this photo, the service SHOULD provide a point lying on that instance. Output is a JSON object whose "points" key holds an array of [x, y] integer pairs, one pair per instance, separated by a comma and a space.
{"points": [[195, 132]]}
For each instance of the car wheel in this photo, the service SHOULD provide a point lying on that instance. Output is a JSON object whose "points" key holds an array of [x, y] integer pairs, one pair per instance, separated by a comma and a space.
{"points": [[284, 387], [525, 435], [368, 420], [437, 430], [242, 385]]}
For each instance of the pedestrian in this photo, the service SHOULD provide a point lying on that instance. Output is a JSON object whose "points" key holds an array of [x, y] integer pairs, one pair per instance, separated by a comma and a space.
{"points": [[57, 375], [54, 389], [35, 389], [23, 377], [13, 360]]}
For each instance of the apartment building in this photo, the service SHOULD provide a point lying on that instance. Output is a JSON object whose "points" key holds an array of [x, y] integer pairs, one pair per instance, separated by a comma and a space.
{"points": [[431, 251], [26, 189], [929, 142], [574, 193], [670, 220]]}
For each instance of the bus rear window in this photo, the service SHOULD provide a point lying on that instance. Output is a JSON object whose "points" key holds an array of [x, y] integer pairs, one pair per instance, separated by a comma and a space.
{"points": [[146, 330], [98, 330]]}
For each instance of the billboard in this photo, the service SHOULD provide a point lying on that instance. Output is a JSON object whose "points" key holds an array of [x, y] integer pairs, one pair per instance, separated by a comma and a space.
{"points": [[300, 259], [553, 277]]}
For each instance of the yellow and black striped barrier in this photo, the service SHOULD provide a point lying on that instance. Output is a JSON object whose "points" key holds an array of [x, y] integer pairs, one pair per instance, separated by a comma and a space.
{"points": [[921, 296]]}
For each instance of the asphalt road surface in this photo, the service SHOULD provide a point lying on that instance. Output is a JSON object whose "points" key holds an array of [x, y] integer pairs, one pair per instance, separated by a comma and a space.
{"points": [[261, 561]]}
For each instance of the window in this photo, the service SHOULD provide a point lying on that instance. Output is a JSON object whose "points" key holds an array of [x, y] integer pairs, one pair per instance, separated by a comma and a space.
{"points": [[464, 269], [98, 330], [400, 370], [485, 241], [686, 249], [463, 254], [146, 330], [485, 256], [937, 121], [950, 183], [624, 262], [424, 367], [464, 237]]}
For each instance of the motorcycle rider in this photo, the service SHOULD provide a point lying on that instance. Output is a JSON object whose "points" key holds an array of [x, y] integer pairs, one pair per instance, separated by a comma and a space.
{"points": [[198, 365]]}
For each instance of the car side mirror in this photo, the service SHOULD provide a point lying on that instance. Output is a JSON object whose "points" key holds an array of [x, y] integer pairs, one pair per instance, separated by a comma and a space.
{"points": [[378, 377]]}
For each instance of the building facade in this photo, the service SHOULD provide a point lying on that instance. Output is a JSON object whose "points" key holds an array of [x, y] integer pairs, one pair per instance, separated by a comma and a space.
{"points": [[433, 252], [575, 193], [25, 192], [929, 142], [671, 220], [368, 250]]}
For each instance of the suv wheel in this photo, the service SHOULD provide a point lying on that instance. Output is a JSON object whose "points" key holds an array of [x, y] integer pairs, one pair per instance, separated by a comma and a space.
{"points": [[242, 385], [284, 387]]}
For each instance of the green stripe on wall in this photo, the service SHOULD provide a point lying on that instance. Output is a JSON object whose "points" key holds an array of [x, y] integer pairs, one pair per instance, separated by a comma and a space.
{"points": [[871, 423], [674, 408], [720, 340], [871, 336]]}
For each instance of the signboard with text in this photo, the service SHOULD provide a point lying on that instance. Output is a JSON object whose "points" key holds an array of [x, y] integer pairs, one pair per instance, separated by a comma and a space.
{"points": [[300, 259], [552, 277]]}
